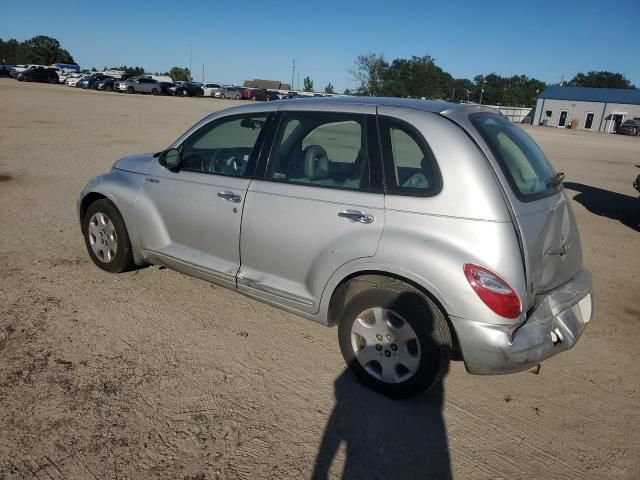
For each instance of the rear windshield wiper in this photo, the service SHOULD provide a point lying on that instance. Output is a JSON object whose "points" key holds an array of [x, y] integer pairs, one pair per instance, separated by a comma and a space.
{"points": [[556, 180]]}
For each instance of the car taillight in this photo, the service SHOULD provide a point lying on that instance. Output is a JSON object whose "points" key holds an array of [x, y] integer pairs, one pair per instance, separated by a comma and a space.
{"points": [[494, 291]]}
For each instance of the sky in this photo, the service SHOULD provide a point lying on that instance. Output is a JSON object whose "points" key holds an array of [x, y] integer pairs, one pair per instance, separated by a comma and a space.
{"points": [[240, 40]]}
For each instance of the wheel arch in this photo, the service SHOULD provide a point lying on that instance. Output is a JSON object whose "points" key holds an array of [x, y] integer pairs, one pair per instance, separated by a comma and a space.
{"points": [[121, 190], [346, 288]]}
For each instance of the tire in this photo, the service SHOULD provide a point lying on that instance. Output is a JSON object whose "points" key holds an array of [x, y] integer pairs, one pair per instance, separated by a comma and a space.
{"points": [[106, 237], [253, 99], [108, 88], [401, 362], [52, 80], [154, 91], [237, 97], [129, 89]]}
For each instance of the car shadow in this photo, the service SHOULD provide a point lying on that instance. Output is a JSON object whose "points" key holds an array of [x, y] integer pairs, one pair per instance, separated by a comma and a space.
{"points": [[384, 438], [624, 208]]}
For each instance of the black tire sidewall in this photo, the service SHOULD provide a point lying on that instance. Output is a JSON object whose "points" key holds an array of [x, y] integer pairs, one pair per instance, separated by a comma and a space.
{"points": [[425, 319], [123, 260]]}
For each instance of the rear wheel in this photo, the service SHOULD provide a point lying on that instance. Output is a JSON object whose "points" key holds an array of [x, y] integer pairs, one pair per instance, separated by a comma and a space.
{"points": [[394, 339], [129, 89], [237, 97], [108, 88], [106, 237]]}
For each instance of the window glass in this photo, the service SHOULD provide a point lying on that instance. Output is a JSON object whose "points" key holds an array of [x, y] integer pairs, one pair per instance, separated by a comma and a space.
{"points": [[410, 166], [520, 158], [223, 147], [327, 150]]}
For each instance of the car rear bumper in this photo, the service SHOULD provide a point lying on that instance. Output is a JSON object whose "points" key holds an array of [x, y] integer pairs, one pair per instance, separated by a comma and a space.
{"points": [[554, 326]]}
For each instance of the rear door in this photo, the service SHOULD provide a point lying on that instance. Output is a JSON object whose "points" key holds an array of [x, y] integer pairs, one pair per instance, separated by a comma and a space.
{"points": [[318, 205], [544, 218]]}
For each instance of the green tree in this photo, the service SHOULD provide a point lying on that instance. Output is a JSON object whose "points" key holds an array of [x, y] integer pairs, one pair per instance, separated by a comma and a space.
{"points": [[368, 71], [602, 79], [130, 71], [416, 77], [308, 84], [329, 88], [40, 50], [180, 74], [347, 91]]}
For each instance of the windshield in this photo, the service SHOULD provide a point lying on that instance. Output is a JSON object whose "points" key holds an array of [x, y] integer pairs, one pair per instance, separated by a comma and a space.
{"points": [[521, 159]]}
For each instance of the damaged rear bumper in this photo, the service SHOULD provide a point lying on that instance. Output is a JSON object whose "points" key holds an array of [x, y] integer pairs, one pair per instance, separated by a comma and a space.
{"points": [[554, 326]]}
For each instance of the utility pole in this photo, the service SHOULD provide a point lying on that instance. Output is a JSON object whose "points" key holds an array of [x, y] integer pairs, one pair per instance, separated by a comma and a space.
{"points": [[203, 73], [481, 93], [298, 81], [190, 55], [293, 73]]}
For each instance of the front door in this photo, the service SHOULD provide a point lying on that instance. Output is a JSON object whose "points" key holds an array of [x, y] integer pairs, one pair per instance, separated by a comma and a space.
{"points": [[191, 219], [588, 122], [562, 122], [617, 120], [318, 207]]}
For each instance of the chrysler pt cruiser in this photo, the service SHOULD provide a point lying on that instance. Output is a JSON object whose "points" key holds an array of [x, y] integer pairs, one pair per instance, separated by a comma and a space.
{"points": [[423, 230]]}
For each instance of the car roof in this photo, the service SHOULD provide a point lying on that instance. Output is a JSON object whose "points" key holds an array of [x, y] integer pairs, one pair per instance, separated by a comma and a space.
{"points": [[433, 106]]}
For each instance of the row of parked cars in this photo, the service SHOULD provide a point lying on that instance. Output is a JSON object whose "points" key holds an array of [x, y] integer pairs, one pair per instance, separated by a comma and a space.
{"points": [[141, 84]]}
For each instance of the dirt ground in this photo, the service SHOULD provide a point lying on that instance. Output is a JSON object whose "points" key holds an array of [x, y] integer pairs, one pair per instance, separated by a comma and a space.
{"points": [[152, 374]]}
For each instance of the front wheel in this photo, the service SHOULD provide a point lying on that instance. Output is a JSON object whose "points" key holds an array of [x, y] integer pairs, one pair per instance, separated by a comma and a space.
{"points": [[106, 237], [129, 89], [395, 340]]}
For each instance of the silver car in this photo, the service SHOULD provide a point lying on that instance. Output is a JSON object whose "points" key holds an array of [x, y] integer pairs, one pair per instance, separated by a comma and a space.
{"points": [[138, 85], [212, 90], [424, 230]]}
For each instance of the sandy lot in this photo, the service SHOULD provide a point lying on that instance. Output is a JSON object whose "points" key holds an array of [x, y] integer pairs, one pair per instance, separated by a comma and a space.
{"points": [[152, 374]]}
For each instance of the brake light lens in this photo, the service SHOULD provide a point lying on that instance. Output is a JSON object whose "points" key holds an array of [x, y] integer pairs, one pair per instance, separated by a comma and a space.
{"points": [[494, 291]]}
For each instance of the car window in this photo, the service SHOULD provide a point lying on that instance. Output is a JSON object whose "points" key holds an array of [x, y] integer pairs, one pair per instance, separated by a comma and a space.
{"points": [[520, 158], [223, 147], [410, 166], [327, 150]]}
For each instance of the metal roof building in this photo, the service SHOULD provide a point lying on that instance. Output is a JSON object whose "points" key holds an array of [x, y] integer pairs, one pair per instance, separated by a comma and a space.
{"points": [[593, 109]]}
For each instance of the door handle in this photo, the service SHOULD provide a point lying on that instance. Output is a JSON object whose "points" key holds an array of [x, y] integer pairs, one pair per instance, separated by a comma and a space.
{"points": [[356, 216], [230, 196]]}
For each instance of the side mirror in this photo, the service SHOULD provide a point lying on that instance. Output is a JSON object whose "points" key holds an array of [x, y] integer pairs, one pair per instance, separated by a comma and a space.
{"points": [[170, 158]]}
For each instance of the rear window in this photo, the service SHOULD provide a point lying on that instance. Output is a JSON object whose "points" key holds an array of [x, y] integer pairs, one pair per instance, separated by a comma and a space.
{"points": [[521, 159]]}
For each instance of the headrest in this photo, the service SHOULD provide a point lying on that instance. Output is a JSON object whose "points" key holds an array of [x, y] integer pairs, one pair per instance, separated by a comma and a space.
{"points": [[316, 162]]}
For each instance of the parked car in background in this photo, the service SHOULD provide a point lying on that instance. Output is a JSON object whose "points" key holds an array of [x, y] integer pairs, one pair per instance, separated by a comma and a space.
{"points": [[188, 89], [138, 85], [231, 92], [487, 265], [212, 89], [254, 94], [92, 80], [17, 69], [39, 74], [629, 127], [165, 88], [5, 69], [105, 84], [73, 79]]}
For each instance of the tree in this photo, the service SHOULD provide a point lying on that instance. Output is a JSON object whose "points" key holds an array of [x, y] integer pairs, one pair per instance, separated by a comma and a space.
{"points": [[180, 74], [40, 50], [130, 71], [600, 80], [368, 71], [347, 91], [308, 84], [416, 77], [329, 88]]}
